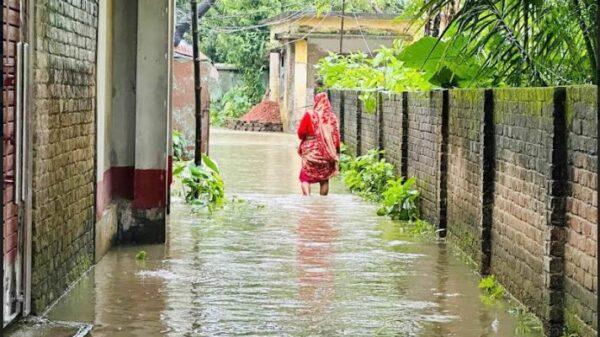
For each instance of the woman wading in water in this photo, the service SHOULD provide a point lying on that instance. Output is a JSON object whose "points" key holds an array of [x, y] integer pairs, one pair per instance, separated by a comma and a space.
{"points": [[320, 145]]}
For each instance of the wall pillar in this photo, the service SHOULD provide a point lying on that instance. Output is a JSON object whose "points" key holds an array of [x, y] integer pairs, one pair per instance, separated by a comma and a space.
{"points": [[300, 81], [152, 121], [274, 77]]}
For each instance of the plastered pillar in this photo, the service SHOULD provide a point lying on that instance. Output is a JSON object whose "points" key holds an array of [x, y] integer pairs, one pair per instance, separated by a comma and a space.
{"points": [[153, 104], [274, 77], [300, 81]]}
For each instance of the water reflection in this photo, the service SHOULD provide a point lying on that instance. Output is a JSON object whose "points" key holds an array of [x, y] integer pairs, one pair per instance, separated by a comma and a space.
{"points": [[316, 237]]}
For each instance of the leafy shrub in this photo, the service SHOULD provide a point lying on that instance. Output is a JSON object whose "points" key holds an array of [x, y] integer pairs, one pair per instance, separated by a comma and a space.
{"points": [[345, 158], [400, 200], [203, 185], [234, 104], [180, 145], [368, 175], [491, 288]]}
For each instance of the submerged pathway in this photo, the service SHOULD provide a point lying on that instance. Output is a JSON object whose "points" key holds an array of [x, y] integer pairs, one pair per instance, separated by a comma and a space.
{"points": [[278, 264]]}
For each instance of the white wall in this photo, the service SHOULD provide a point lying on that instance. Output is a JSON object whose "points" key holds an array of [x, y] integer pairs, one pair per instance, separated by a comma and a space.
{"points": [[104, 87], [153, 69], [124, 51]]}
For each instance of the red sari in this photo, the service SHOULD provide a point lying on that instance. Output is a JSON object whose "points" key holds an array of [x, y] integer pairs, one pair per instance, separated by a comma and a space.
{"points": [[320, 144]]}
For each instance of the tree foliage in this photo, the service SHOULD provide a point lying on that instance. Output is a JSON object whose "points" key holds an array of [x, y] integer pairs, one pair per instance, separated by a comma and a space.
{"points": [[526, 42]]}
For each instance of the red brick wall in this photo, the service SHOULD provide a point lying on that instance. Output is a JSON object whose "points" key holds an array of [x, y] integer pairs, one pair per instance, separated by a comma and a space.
{"points": [[524, 129], [582, 204], [465, 170], [11, 38]]}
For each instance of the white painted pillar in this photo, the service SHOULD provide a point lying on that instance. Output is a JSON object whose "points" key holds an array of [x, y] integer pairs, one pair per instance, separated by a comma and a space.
{"points": [[274, 67], [154, 44]]}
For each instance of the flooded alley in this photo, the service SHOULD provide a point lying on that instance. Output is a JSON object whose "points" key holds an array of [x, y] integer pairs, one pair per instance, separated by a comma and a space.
{"points": [[273, 263]]}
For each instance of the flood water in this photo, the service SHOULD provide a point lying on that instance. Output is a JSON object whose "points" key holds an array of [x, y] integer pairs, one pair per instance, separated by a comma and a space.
{"points": [[278, 264]]}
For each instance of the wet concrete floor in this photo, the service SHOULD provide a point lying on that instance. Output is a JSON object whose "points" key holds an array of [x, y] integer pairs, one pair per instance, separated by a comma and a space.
{"points": [[278, 264]]}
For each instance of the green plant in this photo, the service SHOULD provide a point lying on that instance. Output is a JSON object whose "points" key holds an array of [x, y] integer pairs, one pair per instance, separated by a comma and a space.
{"points": [[524, 42], [203, 185], [368, 175], [491, 289], [345, 158], [234, 104], [400, 200], [141, 255], [527, 323], [180, 145]]}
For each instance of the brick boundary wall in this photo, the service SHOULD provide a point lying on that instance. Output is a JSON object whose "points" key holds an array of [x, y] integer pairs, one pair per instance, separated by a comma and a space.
{"points": [[391, 110], [514, 170], [581, 273], [64, 55]]}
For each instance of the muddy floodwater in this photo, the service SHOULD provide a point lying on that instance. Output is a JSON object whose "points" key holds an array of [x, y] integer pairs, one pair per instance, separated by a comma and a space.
{"points": [[277, 264]]}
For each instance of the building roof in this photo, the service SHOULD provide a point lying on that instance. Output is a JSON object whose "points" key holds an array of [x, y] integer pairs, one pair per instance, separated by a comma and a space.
{"points": [[285, 16], [185, 51]]}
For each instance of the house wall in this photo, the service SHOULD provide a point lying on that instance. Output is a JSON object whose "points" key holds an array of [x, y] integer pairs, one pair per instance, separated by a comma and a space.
{"points": [[510, 175], [64, 93], [184, 118]]}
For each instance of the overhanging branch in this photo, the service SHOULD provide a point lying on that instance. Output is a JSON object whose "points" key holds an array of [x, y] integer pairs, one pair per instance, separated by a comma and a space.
{"points": [[184, 27]]}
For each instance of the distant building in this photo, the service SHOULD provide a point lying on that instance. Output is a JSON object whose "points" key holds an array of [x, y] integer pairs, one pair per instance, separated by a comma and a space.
{"points": [[300, 40]]}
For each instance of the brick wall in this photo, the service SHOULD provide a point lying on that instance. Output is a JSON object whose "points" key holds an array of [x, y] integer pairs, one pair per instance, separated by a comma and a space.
{"points": [[465, 170], [350, 118], [63, 174], [524, 131], [511, 174], [392, 129], [424, 145], [581, 277], [369, 132]]}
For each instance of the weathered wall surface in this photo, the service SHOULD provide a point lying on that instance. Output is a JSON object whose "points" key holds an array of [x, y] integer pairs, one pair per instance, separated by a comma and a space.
{"points": [[581, 244], [511, 176], [465, 169], [350, 121], [184, 113], [392, 129], [524, 135], [424, 146], [63, 143]]}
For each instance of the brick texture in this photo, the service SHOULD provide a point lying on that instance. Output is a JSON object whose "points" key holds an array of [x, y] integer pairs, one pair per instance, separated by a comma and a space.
{"points": [[369, 131], [424, 146], [520, 181], [524, 130], [63, 177], [11, 29], [392, 129], [465, 170], [581, 273], [350, 125]]}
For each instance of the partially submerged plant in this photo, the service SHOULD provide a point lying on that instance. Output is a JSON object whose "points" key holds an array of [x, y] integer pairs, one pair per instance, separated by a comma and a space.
{"points": [[203, 185], [368, 175], [141, 255], [400, 200], [492, 290]]}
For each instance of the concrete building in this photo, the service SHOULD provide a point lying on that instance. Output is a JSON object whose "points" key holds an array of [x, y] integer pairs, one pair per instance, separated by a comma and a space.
{"points": [[87, 116], [299, 40]]}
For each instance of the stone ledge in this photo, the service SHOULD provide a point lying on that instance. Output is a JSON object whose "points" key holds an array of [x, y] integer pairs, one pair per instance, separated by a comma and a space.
{"points": [[254, 126]]}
